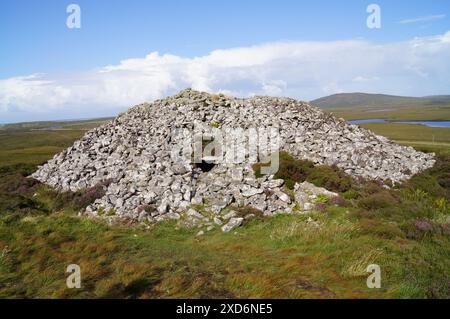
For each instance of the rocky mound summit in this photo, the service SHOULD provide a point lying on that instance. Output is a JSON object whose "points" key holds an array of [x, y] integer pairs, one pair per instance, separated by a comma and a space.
{"points": [[133, 157]]}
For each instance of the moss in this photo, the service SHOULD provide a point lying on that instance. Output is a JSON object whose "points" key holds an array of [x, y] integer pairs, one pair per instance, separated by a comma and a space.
{"points": [[331, 178], [19, 205], [381, 228], [214, 124], [13, 179], [322, 199], [435, 180], [111, 212], [377, 201], [75, 201], [147, 208], [350, 194], [247, 210], [293, 170]]}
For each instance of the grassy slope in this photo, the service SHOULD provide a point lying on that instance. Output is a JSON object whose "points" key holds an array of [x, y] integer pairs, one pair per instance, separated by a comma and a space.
{"points": [[409, 132], [356, 106], [34, 146], [79, 124], [276, 258], [285, 256], [377, 101], [402, 114], [419, 136], [29, 143]]}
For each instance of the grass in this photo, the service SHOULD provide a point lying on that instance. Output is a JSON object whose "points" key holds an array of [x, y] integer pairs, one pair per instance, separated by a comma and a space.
{"points": [[421, 137], [411, 133], [271, 258], [418, 136], [396, 114], [297, 171], [323, 255], [45, 125], [443, 149], [366, 101], [33, 147]]}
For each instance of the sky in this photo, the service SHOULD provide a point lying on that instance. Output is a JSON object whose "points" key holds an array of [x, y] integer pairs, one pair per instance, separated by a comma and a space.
{"points": [[128, 52]]}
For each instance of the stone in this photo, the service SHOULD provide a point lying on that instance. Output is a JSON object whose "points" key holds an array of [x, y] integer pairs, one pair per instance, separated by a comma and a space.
{"points": [[218, 221], [200, 233], [193, 213], [232, 223], [218, 203], [133, 156], [308, 206], [248, 191], [163, 207], [197, 200], [283, 196], [237, 175], [229, 215], [274, 183], [311, 189]]}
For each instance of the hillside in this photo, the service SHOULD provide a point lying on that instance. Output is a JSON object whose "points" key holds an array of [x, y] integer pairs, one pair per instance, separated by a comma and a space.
{"points": [[377, 101]]}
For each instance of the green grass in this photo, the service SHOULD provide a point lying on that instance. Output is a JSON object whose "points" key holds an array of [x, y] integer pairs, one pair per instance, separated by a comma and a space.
{"points": [[405, 230], [297, 171], [280, 257], [34, 147], [29, 143], [411, 133], [443, 149], [42, 125], [366, 101], [395, 114], [431, 139]]}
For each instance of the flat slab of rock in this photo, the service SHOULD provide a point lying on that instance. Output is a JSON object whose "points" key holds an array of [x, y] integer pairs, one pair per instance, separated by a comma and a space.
{"points": [[312, 189], [232, 223]]}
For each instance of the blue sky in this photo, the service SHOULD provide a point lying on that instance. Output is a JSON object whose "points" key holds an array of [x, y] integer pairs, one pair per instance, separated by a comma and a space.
{"points": [[38, 50]]}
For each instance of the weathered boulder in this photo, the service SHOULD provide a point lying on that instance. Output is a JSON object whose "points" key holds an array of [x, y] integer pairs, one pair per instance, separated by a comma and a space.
{"points": [[233, 223]]}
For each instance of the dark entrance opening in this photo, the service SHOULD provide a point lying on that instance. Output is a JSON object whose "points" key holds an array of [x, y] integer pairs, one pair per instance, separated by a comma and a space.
{"points": [[205, 166]]}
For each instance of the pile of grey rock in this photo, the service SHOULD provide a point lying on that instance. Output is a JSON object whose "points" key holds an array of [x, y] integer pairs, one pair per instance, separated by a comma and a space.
{"points": [[134, 153]]}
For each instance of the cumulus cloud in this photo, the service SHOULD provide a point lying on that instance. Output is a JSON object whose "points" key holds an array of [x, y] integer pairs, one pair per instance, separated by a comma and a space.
{"points": [[304, 70]]}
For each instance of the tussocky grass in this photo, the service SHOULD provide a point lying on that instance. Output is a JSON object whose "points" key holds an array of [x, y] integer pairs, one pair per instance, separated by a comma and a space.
{"points": [[322, 255]]}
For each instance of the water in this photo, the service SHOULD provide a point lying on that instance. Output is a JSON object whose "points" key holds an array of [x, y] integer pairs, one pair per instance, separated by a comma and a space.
{"points": [[427, 123], [367, 121]]}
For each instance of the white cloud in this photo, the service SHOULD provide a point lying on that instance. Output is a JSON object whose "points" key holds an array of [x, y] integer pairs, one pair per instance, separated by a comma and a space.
{"points": [[423, 19], [304, 70], [361, 78]]}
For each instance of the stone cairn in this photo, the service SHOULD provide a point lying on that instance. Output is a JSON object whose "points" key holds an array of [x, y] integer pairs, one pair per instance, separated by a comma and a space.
{"points": [[147, 183]]}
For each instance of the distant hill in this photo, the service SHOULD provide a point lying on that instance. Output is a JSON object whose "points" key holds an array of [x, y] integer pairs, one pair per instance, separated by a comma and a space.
{"points": [[366, 100]]}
